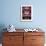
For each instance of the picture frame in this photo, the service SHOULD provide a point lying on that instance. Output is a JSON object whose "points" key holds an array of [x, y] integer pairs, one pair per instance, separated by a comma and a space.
{"points": [[26, 12]]}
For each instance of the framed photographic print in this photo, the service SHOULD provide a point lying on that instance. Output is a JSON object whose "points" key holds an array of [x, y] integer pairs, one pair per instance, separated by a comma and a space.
{"points": [[26, 12]]}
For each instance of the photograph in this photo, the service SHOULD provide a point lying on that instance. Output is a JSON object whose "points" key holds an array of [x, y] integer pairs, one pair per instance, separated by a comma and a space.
{"points": [[26, 12]]}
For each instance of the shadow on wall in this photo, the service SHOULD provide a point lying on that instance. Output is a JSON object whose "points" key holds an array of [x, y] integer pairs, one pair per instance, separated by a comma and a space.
{"points": [[2, 26]]}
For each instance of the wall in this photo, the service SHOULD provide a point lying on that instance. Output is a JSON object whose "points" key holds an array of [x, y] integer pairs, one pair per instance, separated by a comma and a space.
{"points": [[10, 13]]}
